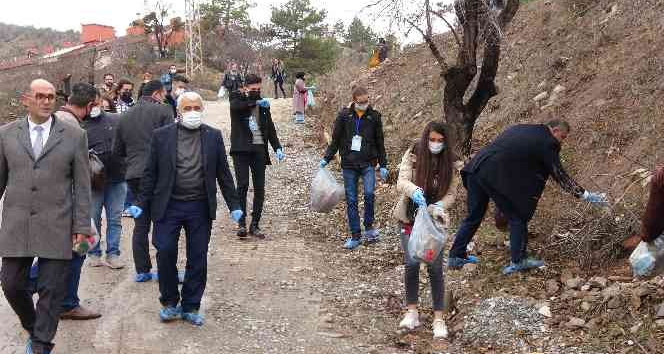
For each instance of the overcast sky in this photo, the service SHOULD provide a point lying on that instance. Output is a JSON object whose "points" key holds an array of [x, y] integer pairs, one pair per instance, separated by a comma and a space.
{"points": [[69, 14]]}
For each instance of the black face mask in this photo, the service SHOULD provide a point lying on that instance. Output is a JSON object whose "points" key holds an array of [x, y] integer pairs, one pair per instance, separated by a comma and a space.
{"points": [[126, 96], [254, 95]]}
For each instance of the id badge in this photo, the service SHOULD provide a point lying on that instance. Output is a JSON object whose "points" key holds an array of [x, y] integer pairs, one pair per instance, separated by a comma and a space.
{"points": [[357, 143]]}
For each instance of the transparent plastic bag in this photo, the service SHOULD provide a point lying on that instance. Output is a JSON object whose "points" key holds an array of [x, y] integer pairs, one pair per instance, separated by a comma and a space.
{"points": [[426, 240], [326, 193], [310, 98], [648, 258]]}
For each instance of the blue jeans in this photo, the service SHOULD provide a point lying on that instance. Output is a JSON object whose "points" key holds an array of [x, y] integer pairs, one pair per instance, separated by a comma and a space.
{"points": [[112, 199], [351, 180], [71, 300], [194, 216], [478, 200]]}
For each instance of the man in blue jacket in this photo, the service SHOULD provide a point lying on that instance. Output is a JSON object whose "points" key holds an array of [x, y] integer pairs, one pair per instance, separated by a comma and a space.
{"points": [[186, 161], [512, 171]]}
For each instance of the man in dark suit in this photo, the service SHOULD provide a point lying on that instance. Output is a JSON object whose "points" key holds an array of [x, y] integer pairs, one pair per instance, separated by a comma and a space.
{"points": [[512, 171], [252, 129], [45, 171], [132, 142], [178, 188]]}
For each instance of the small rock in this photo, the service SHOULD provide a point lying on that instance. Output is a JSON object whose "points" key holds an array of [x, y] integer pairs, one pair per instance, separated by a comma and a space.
{"points": [[659, 323], [594, 323], [552, 287], [470, 268], [635, 328], [614, 303], [574, 283], [612, 291], [327, 318], [541, 96], [575, 322], [331, 334], [585, 287], [660, 311], [598, 282], [585, 306], [542, 85], [545, 311], [559, 89]]}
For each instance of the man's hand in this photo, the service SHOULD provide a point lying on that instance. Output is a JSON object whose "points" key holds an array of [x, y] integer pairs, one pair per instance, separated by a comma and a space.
{"points": [[631, 242], [78, 238]]}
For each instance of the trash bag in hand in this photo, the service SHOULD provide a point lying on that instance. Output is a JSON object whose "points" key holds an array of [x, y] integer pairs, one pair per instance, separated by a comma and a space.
{"points": [[311, 102], [326, 193], [648, 258], [426, 240]]}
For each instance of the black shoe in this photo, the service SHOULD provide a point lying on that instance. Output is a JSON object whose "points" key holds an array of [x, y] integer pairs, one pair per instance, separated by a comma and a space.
{"points": [[255, 231], [242, 232]]}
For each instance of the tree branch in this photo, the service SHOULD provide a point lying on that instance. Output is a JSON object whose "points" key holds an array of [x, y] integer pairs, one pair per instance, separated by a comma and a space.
{"points": [[507, 14], [442, 17], [432, 46]]}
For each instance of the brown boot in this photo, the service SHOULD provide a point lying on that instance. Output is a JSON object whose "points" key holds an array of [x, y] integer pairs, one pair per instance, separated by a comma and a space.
{"points": [[79, 313]]}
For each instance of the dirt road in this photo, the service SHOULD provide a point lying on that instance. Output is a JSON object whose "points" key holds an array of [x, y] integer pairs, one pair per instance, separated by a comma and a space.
{"points": [[260, 295]]}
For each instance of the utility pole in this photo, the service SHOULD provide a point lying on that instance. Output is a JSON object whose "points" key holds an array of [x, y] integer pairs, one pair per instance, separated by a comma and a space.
{"points": [[194, 59]]}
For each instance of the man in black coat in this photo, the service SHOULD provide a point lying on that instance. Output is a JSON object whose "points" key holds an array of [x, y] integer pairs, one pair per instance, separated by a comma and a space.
{"points": [[512, 171], [132, 142], [186, 161], [252, 129]]}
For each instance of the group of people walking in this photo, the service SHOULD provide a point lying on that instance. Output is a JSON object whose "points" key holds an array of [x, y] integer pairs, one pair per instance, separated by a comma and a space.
{"points": [[172, 164]]}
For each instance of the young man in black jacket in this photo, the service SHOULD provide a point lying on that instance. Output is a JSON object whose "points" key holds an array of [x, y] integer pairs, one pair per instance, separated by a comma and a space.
{"points": [[512, 171], [252, 129], [358, 136]]}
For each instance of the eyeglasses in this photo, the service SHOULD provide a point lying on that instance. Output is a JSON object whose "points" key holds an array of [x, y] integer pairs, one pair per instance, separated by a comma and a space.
{"points": [[45, 97]]}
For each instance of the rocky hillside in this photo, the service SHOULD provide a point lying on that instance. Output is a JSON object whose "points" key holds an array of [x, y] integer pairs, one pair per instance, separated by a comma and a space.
{"points": [[598, 64], [16, 40]]}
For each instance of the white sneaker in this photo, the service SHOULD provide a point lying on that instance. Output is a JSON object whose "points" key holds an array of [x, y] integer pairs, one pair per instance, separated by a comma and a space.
{"points": [[114, 262], [411, 320], [439, 329], [94, 261]]}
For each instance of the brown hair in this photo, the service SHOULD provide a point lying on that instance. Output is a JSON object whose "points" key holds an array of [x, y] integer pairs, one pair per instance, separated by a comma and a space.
{"points": [[430, 167], [359, 91], [111, 103]]}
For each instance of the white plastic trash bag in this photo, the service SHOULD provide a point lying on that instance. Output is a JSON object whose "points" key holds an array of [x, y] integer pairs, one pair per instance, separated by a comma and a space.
{"points": [[326, 193], [426, 240], [222, 92], [648, 258], [310, 98]]}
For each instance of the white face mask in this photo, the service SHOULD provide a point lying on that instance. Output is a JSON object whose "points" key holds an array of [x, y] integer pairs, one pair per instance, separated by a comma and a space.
{"points": [[192, 120], [173, 71], [361, 107], [95, 112], [436, 148]]}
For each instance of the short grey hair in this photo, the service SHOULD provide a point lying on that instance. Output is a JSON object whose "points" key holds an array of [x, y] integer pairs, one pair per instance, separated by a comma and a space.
{"points": [[190, 95]]}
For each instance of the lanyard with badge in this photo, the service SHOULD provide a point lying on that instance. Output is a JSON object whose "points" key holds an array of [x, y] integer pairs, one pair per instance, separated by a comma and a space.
{"points": [[356, 144]]}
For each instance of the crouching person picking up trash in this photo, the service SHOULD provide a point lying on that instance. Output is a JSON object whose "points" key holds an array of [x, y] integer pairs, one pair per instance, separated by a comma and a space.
{"points": [[512, 171], [428, 181], [186, 162]]}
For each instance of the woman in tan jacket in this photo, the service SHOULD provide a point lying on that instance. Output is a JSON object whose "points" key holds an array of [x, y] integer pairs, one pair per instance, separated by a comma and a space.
{"points": [[428, 177]]}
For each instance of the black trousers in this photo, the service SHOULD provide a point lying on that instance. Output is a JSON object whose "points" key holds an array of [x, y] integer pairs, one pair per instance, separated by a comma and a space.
{"points": [[279, 85], [140, 242], [243, 163], [40, 322], [194, 217]]}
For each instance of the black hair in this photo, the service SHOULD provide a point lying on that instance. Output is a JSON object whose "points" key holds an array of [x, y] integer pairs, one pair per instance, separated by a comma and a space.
{"points": [[180, 78], [82, 94], [299, 75], [559, 123], [109, 74], [152, 87], [252, 79]]}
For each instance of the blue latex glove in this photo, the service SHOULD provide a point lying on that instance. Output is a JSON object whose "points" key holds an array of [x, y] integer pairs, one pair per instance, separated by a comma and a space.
{"points": [[236, 215], [263, 103], [418, 198], [383, 173], [595, 198], [280, 154], [135, 211], [322, 163]]}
